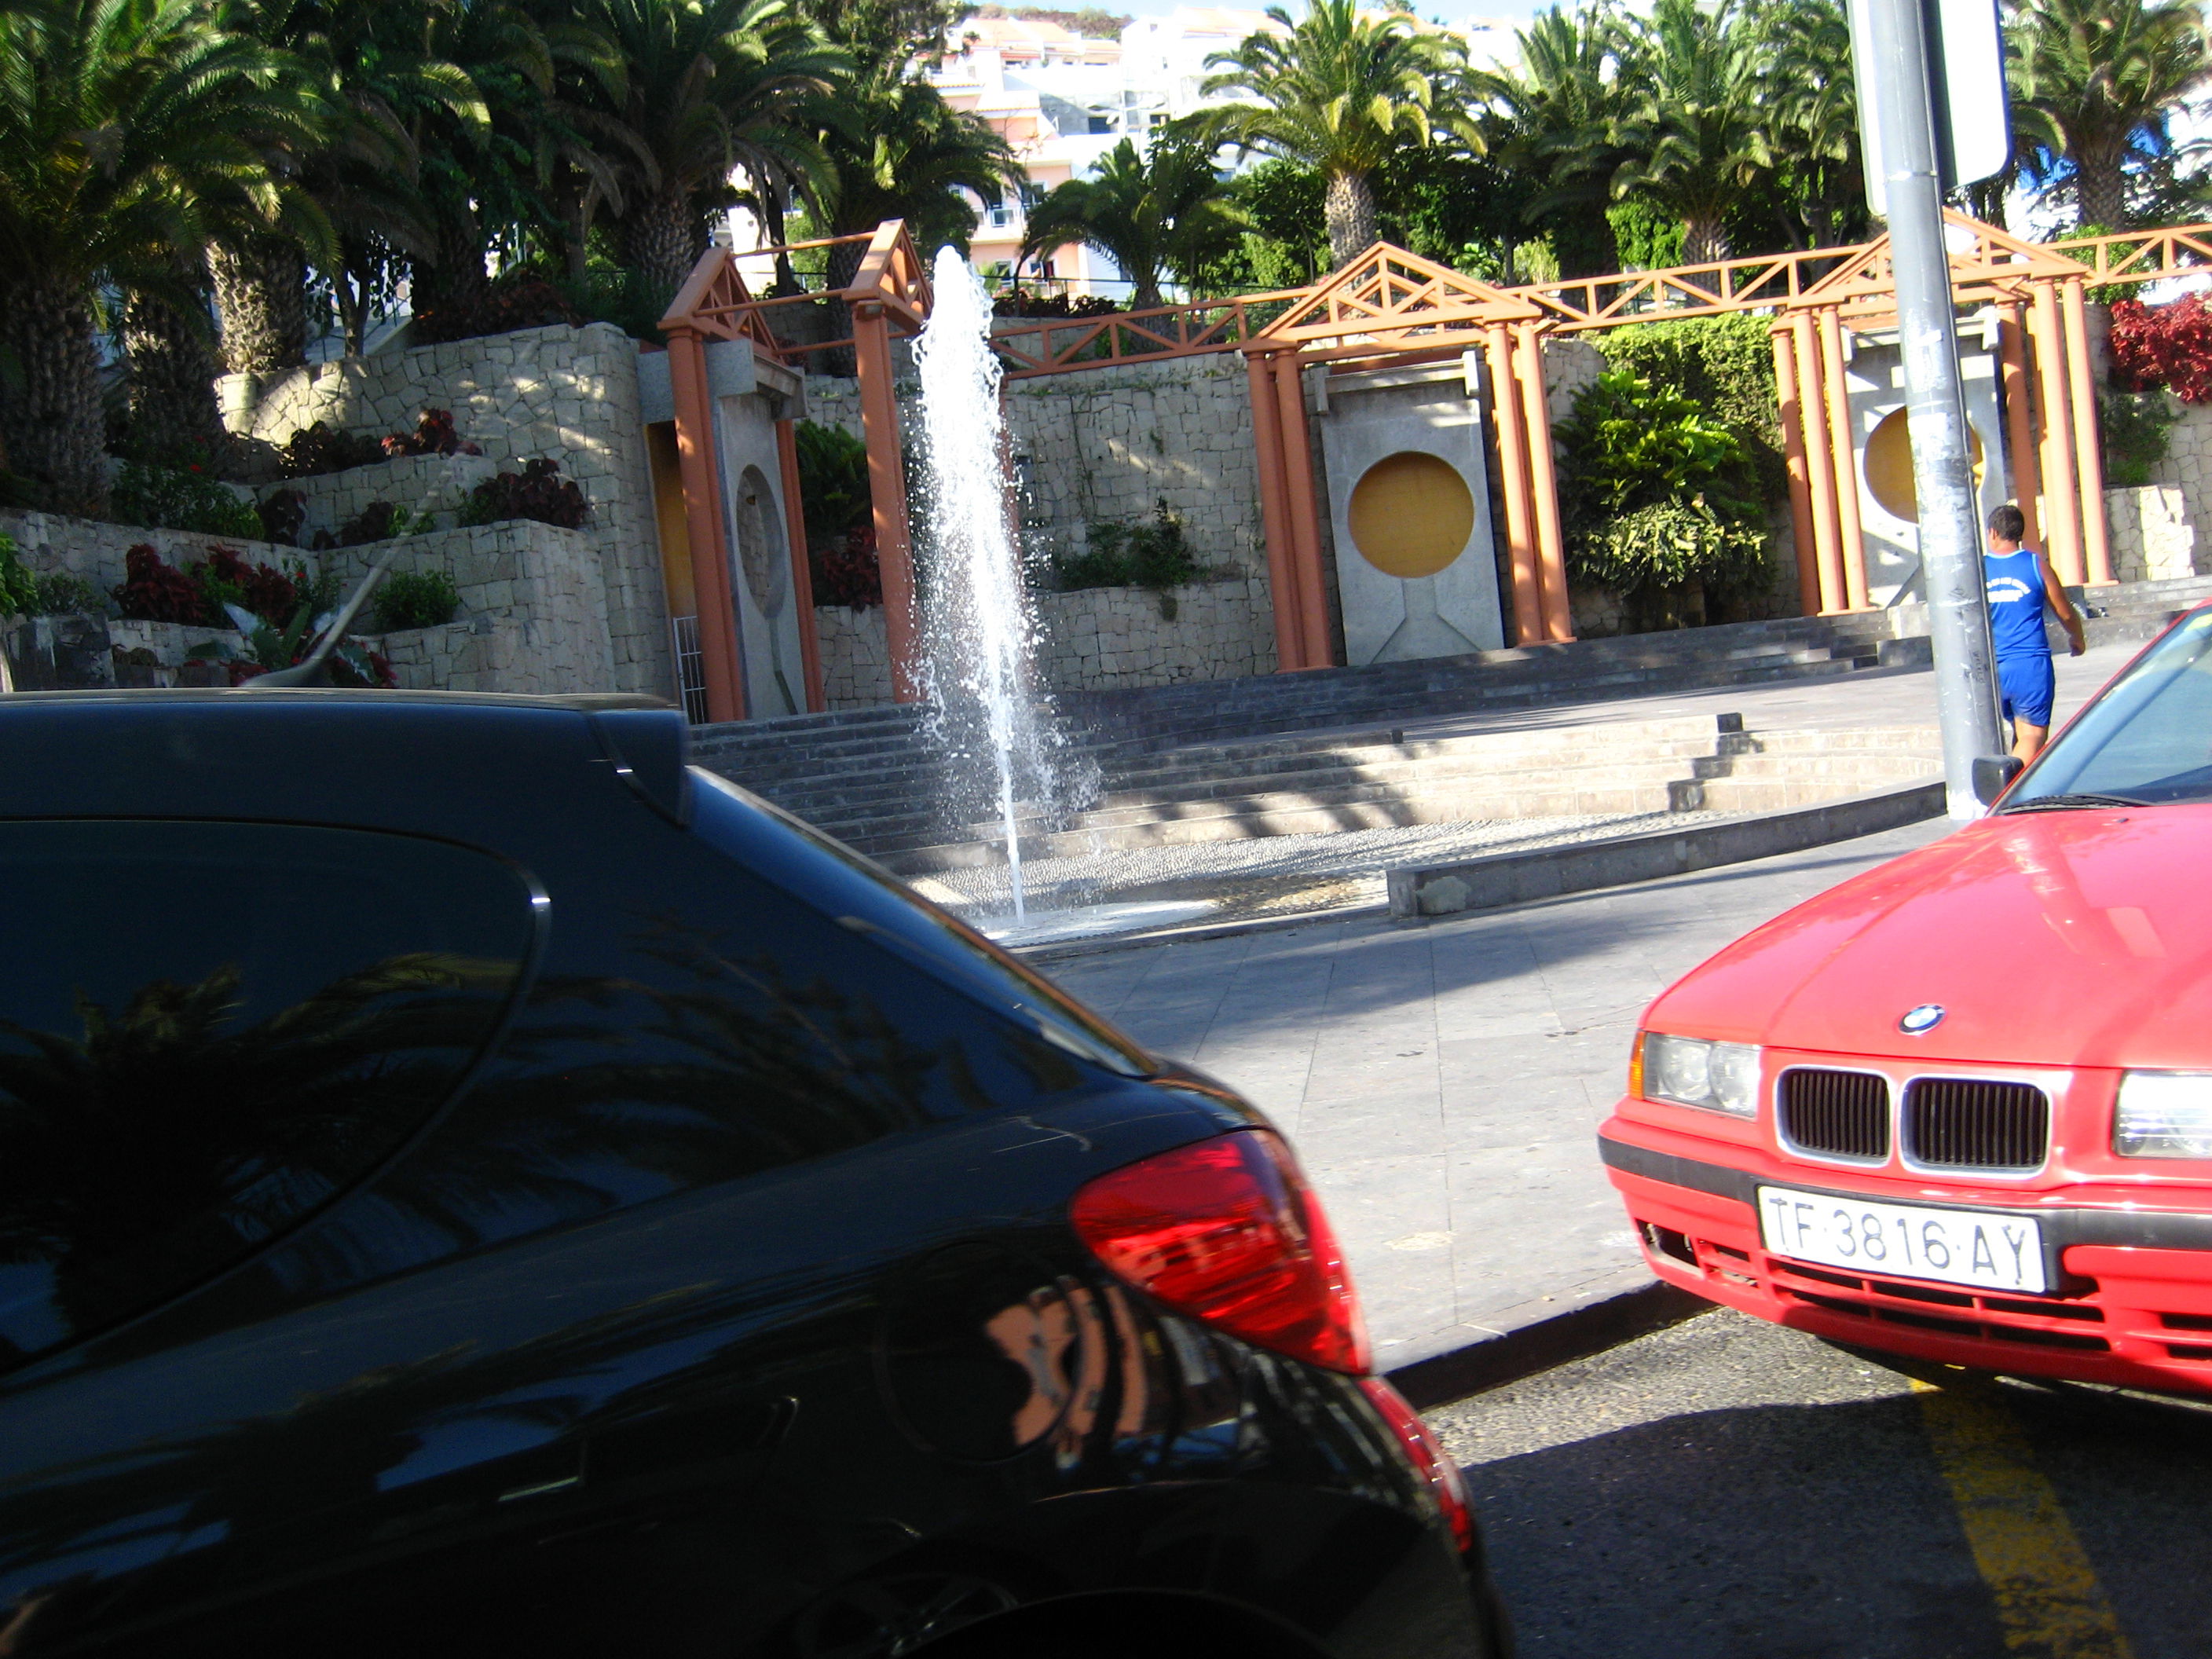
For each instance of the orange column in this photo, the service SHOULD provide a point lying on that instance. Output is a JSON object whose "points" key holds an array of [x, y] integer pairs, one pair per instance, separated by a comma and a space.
{"points": [[1305, 527], [1793, 452], [1853, 536], [802, 574], [1274, 514], [1820, 463], [2020, 423], [879, 423], [2062, 515], [2089, 436], [1544, 486], [703, 517], [1513, 467]]}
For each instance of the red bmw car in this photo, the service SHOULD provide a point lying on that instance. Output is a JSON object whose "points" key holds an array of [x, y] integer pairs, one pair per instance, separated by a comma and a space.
{"points": [[1960, 1107]]}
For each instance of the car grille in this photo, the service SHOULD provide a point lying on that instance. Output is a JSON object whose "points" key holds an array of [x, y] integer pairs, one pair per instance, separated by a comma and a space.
{"points": [[1844, 1114], [1966, 1123]]}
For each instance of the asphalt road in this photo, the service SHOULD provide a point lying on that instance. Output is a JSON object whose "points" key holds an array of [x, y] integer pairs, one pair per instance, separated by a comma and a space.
{"points": [[1729, 1490]]}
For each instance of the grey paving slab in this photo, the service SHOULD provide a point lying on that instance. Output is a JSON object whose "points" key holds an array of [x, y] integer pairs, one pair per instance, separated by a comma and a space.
{"points": [[1442, 1080]]}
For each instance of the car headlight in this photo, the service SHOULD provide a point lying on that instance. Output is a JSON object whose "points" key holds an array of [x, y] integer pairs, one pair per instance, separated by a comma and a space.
{"points": [[1721, 1077], [2164, 1115]]}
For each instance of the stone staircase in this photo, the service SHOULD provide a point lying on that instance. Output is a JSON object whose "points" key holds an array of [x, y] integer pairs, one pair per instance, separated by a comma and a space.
{"points": [[1291, 754]]}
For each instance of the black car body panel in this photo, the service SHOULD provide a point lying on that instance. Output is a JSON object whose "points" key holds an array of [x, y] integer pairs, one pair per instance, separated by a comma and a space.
{"points": [[722, 1301]]}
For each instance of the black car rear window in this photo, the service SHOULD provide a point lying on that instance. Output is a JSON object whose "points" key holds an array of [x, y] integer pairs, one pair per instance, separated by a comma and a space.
{"points": [[209, 1030]]}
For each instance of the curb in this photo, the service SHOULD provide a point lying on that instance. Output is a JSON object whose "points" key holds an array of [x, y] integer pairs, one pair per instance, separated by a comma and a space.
{"points": [[1503, 878], [1193, 932], [1495, 1361]]}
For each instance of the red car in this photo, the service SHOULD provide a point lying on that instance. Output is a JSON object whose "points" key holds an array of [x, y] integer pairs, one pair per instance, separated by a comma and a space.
{"points": [[1960, 1107]]}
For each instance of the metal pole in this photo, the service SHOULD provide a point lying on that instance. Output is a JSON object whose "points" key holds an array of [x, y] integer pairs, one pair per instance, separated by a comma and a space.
{"points": [[1942, 474]]}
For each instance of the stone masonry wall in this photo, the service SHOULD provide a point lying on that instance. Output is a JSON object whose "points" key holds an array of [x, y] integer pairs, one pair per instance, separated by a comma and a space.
{"points": [[569, 393], [534, 602], [435, 484], [533, 615], [1095, 639]]}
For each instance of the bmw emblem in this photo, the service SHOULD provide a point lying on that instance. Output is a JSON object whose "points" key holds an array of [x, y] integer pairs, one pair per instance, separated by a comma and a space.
{"points": [[1919, 1022]]}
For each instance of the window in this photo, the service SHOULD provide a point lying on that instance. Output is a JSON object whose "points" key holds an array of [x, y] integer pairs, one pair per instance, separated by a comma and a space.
{"points": [[1100, 123], [207, 1031]]}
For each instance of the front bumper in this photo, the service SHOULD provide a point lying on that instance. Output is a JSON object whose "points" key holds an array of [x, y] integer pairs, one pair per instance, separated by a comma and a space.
{"points": [[2132, 1304]]}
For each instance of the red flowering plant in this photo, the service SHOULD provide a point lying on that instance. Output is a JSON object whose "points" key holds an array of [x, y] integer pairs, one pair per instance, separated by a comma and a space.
{"points": [[2167, 346], [279, 615], [847, 572]]}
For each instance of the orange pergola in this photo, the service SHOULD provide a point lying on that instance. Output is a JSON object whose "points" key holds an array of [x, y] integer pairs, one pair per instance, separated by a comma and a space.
{"points": [[1391, 305]]}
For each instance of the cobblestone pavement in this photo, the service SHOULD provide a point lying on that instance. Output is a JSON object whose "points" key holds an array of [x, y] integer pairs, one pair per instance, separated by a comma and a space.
{"points": [[1443, 1080]]}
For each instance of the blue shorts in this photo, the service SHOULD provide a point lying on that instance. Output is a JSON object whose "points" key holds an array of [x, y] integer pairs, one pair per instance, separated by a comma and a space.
{"points": [[2028, 684]]}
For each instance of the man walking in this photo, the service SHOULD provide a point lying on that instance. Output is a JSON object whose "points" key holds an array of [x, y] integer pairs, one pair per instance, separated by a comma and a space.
{"points": [[2020, 581]]}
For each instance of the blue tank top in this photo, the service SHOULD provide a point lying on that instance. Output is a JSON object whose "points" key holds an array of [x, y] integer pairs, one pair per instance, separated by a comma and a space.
{"points": [[2013, 583]]}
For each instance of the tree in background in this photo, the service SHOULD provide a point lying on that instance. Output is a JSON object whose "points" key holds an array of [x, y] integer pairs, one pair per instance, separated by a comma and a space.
{"points": [[1555, 120], [1340, 91], [1695, 129], [710, 87], [1819, 188], [133, 133], [1166, 214], [2095, 85], [896, 149]]}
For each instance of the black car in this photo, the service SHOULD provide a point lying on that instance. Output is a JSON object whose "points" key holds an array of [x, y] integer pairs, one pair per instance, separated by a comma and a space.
{"points": [[468, 1183]]}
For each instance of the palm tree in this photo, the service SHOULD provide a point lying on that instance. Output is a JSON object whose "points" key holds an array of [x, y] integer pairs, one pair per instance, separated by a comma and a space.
{"points": [[132, 133], [376, 80], [1805, 46], [713, 85], [1696, 134], [1339, 91], [897, 150], [2092, 82], [1557, 117], [1166, 214]]}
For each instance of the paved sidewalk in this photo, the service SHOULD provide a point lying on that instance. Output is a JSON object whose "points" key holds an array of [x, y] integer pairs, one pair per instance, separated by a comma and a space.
{"points": [[1443, 1081]]}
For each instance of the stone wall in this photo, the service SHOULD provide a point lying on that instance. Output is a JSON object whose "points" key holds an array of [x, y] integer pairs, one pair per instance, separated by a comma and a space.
{"points": [[1109, 445], [2150, 533], [1095, 639], [569, 393], [534, 609], [437, 485], [95, 549], [856, 660], [533, 615]]}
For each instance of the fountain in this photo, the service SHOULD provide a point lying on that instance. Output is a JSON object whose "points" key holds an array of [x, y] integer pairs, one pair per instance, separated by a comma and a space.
{"points": [[980, 632]]}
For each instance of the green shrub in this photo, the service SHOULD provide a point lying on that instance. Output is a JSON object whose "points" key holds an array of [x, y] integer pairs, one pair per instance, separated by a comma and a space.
{"points": [[19, 588], [2138, 426], [1656, 493], [1723, 365], [64, 594], [1151, 553], [415, 598], [833, 483], [1670, 544], [161, 498]]}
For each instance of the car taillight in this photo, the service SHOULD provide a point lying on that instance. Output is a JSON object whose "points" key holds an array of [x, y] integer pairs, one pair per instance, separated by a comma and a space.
{"points": [[1429, 1456], [1228, 1231]]}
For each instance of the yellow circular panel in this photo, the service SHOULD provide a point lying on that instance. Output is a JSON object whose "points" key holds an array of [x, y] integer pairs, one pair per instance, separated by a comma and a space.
{"points": [[1411, 514], [1889, 466]]}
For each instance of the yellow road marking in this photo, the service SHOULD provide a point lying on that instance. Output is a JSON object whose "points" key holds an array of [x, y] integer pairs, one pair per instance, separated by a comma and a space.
{"points": [[2049, 1603]]}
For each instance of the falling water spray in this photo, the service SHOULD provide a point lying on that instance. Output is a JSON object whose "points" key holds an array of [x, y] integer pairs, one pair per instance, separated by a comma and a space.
{"points": [[979, 629]]}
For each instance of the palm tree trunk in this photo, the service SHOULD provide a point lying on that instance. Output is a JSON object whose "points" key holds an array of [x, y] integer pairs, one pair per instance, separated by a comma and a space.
{"points": [[1705, 239], [2102, 190], [456, 285], [661, 241], [51, 428], [1348, 208], [172, 370], [261, 295]]}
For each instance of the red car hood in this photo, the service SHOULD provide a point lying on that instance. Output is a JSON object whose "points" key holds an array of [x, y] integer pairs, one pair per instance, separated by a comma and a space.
{"points": [[2068, 938]]}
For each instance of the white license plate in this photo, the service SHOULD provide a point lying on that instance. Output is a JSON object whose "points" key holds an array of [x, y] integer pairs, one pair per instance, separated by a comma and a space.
{"points": [[1989, 1250]]}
